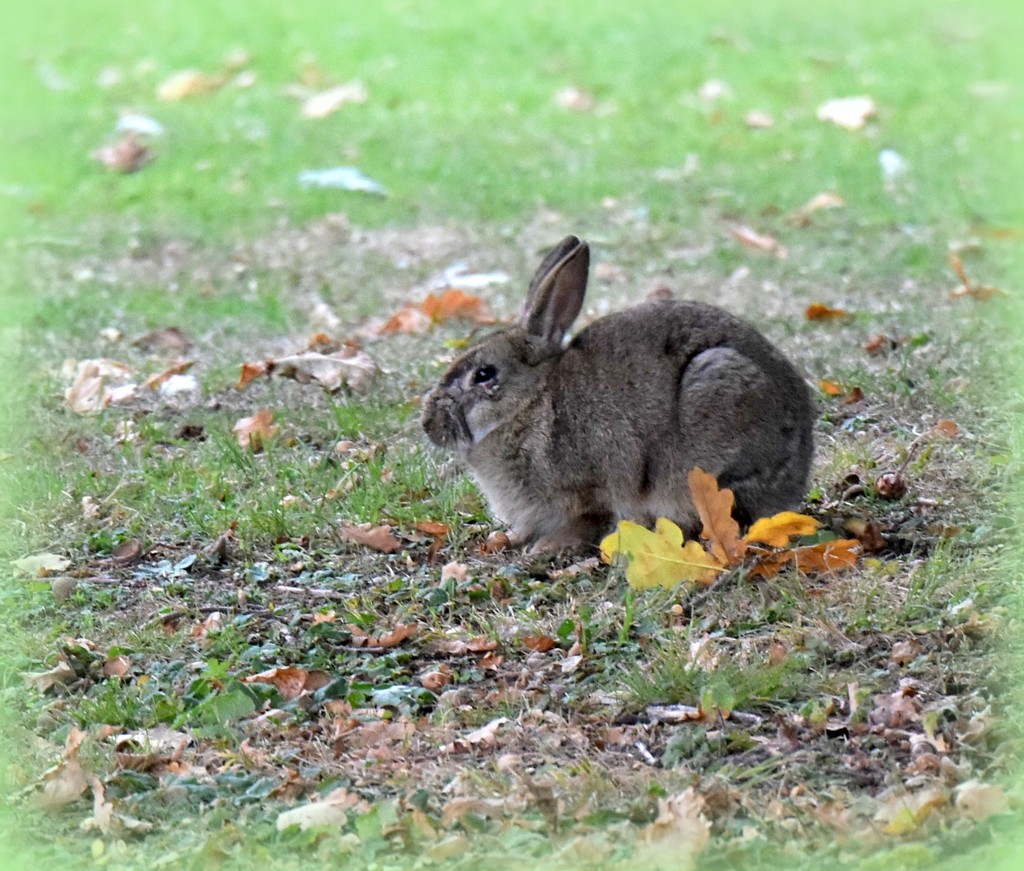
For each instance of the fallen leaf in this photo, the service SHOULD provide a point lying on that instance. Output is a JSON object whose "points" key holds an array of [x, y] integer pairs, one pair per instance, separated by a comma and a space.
{"points": [[540, 643], [97, 384], [849, 112], [979, 801], [827, 556], [252, 432], [348, 367], [436, 679], [905, 814], [801, 217], [967, 287], [880, 344], [67, 780], [432, 527], [829, 388], [157, 381], [855, 395], [454, 571], [678, 835], [891, 486], [377, 537], [759, 241], [396, 636], [325, 103], [946, 428], [291, 681], [905, 652], [126, 155], [331, 811], [250, 372], [658, 558], [61, 674], [777, 530], [41, 564], [817, 311], [188, 83], [435, 309], [715, 508]]}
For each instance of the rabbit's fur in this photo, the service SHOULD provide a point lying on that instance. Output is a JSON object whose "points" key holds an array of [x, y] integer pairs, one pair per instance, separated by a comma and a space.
{"points": [[566, 441]]}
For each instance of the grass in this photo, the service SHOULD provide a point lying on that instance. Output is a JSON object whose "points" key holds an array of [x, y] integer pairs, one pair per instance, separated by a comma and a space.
{"points": [[195, 564]]}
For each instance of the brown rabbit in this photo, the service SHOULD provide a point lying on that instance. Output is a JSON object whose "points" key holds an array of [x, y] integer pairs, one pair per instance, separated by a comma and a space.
{"points": [[566, 441]]}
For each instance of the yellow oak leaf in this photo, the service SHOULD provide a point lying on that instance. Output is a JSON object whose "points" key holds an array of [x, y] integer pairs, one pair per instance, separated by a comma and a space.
{"points": [[777, 530], [659, 558]]}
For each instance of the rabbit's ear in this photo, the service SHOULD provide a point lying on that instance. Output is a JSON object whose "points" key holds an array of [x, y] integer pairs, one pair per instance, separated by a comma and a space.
{"points": [[557, 290]]}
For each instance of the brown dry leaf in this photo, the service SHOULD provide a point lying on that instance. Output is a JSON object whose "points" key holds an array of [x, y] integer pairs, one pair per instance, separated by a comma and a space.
{"points": [[125, 155], [41, 565], [801, 217], [437, 679], [905, 652], [759, 241], [540, 643], [380, 538], [497, 541], [188, 83], [117, 666], [479, 644], [829, 388], [485, 736], [777, 530], [396, 636], [291, 681], [250, 372], [213, 623], [60, 675], [817, 311], [827, 556], [97, 384], [715, 508], [896, 710], [968, 288], [252, 432], [880, 344], [154, 381], [454, 571], [677, 836], [946, 428], [325, 103], [67, 780], [432, 527], [855, 395], [491, 661], [408, 319], [849, 112], [348, 367]]}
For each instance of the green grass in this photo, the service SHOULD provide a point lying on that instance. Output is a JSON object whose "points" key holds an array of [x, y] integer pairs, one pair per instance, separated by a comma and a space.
{"points": [[216, 237]]}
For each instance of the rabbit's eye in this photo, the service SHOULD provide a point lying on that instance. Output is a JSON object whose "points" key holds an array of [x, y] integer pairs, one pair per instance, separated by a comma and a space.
{"points": [[485, 374]]}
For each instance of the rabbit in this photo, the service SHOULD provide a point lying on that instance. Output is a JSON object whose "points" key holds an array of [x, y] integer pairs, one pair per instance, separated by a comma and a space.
{"points": [[565, 440]]}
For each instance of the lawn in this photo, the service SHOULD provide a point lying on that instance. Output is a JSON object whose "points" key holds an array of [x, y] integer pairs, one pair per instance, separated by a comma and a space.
{"points": [[255, 620]]}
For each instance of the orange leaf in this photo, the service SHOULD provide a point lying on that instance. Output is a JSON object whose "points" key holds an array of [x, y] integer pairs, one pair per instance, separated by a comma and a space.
{"points": [[947, 428], [540, 643], [154, 381], [250, 372], [408, 319], [827, 556], [432, 527], [817, 311], [291, 681], [251, 432], [715, 508], [967, 288], [377, 537], [393, 638], [777, 530], [829, 388], [455, 304]]}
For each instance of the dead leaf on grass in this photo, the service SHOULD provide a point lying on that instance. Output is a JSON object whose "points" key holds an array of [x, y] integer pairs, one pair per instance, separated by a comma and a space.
{"points": [[454, 571], [817, 311], [155, 382], [416, 318], [967, 287], [396, 636], [331, 811], [67, 780], [485, 736], [777, 530], [61, 674], [189, 83], [41, 565], [380, 538], [759, 241], [979, 801], [291, 681], [852, 113], [540, 643], [715, 505], [432, 527], [822, 558], [97, 384], [659, 558], [801, 217], [946, 428], [678, 835], [351, 367], [128, 154], [325, 103], [251, 432]]}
